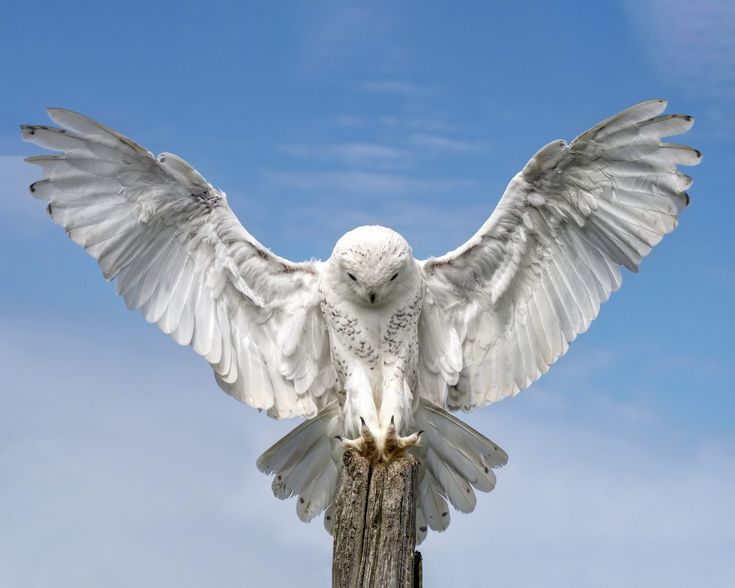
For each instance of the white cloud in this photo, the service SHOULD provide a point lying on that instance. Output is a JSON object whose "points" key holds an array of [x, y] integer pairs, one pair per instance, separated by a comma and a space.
{"points": [[391, 121], [349, 120], [598, 504], [340, 36], [362, 154], [431, 228], [116, 471], [390, 86], [400, 151], [416, 123], [123, 464], [443, 144], [691, 42], [362, 183]]}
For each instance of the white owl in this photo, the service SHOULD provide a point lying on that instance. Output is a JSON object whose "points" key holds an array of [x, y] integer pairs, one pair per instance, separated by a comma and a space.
{"points": [[373, 346]]}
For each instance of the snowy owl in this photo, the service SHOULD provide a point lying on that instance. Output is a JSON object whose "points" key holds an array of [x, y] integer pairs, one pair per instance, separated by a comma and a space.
{"points": [[372, 346]]}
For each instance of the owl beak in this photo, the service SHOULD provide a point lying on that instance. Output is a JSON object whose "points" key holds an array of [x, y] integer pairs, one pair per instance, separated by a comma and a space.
{"points": [[372, 297]]}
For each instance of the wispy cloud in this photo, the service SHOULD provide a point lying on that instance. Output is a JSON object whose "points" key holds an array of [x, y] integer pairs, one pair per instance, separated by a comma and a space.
{"points": [[364, 154], [113, 463], [350, 120], [691, 42], [391, 86], [404, 143], [443, 144], [350, 37], [361, 183], [407, 177], [577, 500], [108, 475], [361, 154], [433, 226], [393, 122], [416, 123]]}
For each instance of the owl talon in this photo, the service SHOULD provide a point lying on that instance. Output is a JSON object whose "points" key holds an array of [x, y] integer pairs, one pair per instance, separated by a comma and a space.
{"points": [[395, 446], [365, 444]]}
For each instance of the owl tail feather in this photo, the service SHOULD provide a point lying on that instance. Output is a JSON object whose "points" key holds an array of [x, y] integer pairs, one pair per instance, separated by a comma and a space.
{"points": [[455, 458], [303, 465]]}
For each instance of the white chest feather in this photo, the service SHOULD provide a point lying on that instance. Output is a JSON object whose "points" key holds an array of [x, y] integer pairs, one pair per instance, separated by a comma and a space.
{"points": [[373, 340]]}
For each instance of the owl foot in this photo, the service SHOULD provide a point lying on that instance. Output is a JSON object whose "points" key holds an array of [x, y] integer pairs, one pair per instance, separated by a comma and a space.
{"points": [[394, 446], [366, 444]]}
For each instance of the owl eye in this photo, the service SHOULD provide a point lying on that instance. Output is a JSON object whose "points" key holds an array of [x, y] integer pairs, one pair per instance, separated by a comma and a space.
{"points": [[395, 275], [352, 277]]}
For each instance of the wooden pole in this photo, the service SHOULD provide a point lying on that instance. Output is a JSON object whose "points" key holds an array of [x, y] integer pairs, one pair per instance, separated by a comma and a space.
{"points": [[375, 525]]}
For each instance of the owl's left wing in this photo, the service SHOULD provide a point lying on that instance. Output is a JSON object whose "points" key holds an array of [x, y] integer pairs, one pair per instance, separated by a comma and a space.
{"points": [[534, 275], [177, 253]]}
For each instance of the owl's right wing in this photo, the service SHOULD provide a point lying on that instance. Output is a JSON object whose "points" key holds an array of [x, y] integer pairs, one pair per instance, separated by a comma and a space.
{"points": [[534, 275], [178, 253]]}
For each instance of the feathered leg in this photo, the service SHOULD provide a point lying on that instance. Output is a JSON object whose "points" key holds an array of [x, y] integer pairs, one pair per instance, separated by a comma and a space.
{"points": [[361, 418], [396, 415]]}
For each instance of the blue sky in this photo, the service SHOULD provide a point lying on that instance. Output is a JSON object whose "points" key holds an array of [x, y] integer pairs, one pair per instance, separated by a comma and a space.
{"points": [[123, 464]]}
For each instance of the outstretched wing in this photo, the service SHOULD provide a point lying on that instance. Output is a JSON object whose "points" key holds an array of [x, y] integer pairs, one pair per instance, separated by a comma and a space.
{"points": [[533, 277], [178, 253]]}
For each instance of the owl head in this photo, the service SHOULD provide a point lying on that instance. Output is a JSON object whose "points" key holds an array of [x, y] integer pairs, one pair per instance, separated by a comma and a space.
{"points": [[370, 265]]}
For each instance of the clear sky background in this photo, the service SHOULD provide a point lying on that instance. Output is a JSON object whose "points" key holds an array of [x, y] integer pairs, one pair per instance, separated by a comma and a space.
{"points": [[123, 464]]}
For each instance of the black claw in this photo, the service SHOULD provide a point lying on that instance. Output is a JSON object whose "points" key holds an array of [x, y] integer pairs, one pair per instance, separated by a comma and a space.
{"points": [[392, 420], [419, 433], [338, 438], [362, 420]]}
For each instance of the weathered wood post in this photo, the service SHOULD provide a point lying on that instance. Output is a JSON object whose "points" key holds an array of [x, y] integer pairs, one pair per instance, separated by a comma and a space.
{"points": [[375, 525]]}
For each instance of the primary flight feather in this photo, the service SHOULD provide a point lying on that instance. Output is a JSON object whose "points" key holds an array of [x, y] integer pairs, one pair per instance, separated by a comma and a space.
{"points": [[373, 346]]}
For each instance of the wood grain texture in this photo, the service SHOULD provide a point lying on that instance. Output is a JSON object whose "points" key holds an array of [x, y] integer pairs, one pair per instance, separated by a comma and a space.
{"points": [[375, 525]]}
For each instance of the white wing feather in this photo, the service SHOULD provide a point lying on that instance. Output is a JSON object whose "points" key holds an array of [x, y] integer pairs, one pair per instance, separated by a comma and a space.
{"points": [[177, 252], [533, 277]]}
